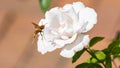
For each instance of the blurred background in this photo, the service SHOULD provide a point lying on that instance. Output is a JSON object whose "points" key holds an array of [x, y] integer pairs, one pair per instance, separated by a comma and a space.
{"points": [[16, 32]]}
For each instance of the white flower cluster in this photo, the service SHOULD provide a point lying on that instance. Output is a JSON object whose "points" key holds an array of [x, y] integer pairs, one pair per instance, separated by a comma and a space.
{"points": [[65, 28]]}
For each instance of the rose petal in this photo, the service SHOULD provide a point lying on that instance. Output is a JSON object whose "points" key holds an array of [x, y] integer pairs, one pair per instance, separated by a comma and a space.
{"points": [[44, 46], [78, 6], [52, 17], [70, 18], [61, 43], [69, 50], [87, 18], [67, 53]]}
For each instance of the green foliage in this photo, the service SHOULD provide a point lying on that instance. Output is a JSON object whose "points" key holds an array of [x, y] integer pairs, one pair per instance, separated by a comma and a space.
{"points": [[113, 45], [94, 40], [99, 55], [106, 51], [113, 49], [88, 65], [116, 55], [91, 60], [44, 4], [108, 63], [77, 55], [103, 57]]}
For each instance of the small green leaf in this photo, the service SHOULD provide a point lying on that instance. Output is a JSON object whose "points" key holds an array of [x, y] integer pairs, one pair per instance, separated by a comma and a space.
{"points": [[95, 40], [77, 55], [91, 60], [108, 63], [88, 65], [106, 51], [116, 55], [100, 55], [114, 47], [115, 43], [44, 4], [116, 50]]}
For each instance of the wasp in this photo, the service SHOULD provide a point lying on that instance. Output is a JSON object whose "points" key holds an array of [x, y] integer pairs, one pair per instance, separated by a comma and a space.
{"points": [[38, 29]]}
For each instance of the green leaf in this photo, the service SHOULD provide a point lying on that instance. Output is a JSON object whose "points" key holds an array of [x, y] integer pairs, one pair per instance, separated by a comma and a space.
{"points": [[44, 4], [116, 50], [100, 55], [108, 63], [106, 51], [91, 60], [114, 47], [116, 56], [94, 40], [77, 55], [88, 65], [115, 43]]}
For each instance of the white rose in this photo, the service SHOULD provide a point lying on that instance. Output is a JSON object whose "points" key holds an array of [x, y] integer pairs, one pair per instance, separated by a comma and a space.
{"points": [[64, 28]]}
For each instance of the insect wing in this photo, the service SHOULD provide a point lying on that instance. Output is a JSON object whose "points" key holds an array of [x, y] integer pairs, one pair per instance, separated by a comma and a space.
{"points": [[35, 25]]}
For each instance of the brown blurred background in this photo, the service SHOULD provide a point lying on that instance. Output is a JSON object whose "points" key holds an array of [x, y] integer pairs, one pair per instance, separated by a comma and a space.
{"points": [[16, 32]]}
